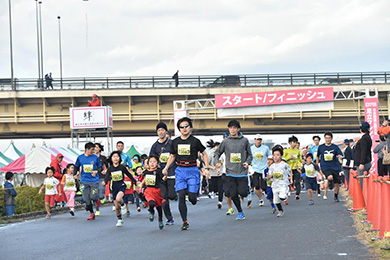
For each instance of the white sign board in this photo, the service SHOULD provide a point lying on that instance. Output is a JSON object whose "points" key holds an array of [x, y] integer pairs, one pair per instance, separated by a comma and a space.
{"points": [[91, 117], [178, 114]]}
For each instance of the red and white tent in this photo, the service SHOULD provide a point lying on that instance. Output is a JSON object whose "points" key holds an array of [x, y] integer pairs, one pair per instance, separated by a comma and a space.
{"points": [[33, 165]]}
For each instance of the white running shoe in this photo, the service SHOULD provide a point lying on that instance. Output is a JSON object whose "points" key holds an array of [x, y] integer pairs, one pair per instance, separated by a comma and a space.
{"points": [[319, 195], [261, 203], [113, 208], [119, 223], [325, 198], [123, 210]]}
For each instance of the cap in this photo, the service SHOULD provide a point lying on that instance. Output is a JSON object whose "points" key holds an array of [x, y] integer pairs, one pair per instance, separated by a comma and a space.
{"points": [[365, 127], [270, 157], [346, 141], [258, 136], [350, 140], [94, 95], [161, 125], [59, 155]]}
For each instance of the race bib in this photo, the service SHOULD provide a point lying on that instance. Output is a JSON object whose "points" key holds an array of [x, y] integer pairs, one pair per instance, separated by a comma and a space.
{"points": [[128, 185], [164, 157], [117, 176], [183, 149], [315, 154], [70, 184], [309, 172], [259, 156], [269, 183], [235, 158], [278, 175], [49, 186], [295, 156], [328, 157], [88, 167], [150, 180]]}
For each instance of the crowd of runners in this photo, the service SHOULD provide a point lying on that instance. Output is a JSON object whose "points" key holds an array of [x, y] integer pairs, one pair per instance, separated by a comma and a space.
{"points": [[183, 169]]}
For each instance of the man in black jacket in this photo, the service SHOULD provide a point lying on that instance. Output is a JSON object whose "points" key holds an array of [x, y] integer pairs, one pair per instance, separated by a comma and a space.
{"points": [[347, 160], [362, 153]]}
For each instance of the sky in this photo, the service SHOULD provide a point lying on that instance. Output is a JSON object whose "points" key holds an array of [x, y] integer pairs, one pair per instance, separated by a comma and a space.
{"points": [[143, 38]]}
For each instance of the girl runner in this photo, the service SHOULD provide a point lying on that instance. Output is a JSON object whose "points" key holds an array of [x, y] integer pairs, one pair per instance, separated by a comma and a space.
{"points": [[69, 183], [50, 185], [138, 193]]}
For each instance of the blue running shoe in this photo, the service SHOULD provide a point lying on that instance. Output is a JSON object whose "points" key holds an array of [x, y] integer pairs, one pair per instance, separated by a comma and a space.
{"points": [[170, 223], [151, 217], [160, 225], [240, 216]]}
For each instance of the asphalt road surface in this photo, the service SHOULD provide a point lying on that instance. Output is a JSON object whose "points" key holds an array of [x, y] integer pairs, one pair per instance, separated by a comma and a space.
{"points": [[322, 231]]}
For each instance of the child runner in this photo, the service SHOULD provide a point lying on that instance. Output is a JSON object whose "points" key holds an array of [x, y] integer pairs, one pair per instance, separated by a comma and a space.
{"points": [[90, 165], [50, 185], [312, 171], [69, 183], [138, 192], [152, 180], [185, 149], [238, 157], [128, 197], [294, 160], [270, 195], [115, 174], [278, 172]]}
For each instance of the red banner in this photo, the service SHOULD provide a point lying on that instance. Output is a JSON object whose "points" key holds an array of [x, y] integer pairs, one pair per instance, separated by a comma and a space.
{"points": [[371, 116], [282, 97]]}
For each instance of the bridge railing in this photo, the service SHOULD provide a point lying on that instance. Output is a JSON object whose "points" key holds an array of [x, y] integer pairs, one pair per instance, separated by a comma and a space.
{"points": [[250, 80]]}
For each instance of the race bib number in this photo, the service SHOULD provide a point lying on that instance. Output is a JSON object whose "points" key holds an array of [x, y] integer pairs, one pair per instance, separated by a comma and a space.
{"points": [[88, 167], [278, 175], [183, 149], [259, 156], [70, 184], [150, 180], [49, 186], [328, 157], [315, 154], [164, 157], [117, 176], [235, 158], [309, 172], [128, 185]]}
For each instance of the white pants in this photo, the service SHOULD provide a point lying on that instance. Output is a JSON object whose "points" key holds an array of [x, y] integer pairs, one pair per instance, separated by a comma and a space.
{"points": [[280, 192]]}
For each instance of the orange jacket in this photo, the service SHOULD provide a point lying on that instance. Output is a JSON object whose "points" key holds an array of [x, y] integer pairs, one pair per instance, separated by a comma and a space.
{"points": [[383, 130]]}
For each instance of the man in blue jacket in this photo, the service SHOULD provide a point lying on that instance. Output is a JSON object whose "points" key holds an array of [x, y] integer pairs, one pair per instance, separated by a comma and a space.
{"points": [[9, 194]]}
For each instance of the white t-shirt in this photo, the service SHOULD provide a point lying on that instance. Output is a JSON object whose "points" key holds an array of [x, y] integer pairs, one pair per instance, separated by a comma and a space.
{"points": [[279, 172], [70, 183], [311, 170], [50, 185]]}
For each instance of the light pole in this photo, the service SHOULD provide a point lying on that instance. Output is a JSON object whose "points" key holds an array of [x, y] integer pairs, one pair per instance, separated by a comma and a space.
{"points": [[41, 45], [40, 86], [59, 41], [10, 44]]}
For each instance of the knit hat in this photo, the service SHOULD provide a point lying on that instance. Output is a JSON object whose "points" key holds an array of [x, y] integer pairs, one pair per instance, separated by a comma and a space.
{"points": [[161, 125], [365, 127]]}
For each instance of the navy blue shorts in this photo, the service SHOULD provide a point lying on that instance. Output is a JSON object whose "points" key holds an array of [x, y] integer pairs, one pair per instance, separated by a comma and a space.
{"points": [[117, 189], [270, 194], [187, 178], [127, 198], [311, 183]]}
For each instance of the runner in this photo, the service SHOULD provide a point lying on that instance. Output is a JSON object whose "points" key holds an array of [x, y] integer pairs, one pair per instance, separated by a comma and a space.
{"points": [[294, 160], [116, 173], [50, 185], [215, 183], [278, 172], [99, 148], [260, 154], [329, 156], [152, 180], [238, 157], [162, 147], [313, 150], [270, 195], [312, 171], [69, 183], [184, 152], [126, 160], [222, 169], [138, 192], [90, 164]]}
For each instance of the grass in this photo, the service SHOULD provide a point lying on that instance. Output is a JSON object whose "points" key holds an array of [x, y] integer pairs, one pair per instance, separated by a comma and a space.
{"points": [[363, 235]]}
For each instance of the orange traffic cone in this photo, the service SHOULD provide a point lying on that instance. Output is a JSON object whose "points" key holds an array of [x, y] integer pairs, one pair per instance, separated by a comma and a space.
{"points": [[377, 204], [350, 186], [365, 188], [358, 200], [384, 229], [371, 201]]}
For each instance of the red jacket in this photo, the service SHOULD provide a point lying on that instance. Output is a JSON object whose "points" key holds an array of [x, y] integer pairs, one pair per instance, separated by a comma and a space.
{"points": [[383, 130], [94, 103], [57, 169]]}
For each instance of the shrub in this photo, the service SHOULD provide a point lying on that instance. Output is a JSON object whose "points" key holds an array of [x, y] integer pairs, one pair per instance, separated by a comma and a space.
{"points": [[27, 200]]}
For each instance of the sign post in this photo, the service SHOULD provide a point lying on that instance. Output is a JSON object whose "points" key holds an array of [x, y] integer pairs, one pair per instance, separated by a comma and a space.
{"points": [[371, 115]]}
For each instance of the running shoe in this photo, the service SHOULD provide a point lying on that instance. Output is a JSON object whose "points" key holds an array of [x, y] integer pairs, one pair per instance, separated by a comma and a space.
{"points": [[97, 213], [213, 195], [285, 202], [219, 206], [139, 209], [273, 211], [119, 223], [319, 195], [103, 200], [123, 210], [170, 222], [297, 197], [261, 203], [127, 214], [311, 202], [249, 205], [91, 217], [71, 212], [98, 203], [113, 208], [325, 197], [240, 216], [160, 225], [151, 217], [48, 216], [230, 212], [185, 226], [336, 199], [280, 214]]}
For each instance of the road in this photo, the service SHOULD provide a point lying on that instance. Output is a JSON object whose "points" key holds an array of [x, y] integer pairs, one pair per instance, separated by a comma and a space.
{"points": [[322, 231]]}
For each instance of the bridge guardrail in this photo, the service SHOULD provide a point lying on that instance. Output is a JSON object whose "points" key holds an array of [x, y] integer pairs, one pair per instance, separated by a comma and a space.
{"points": [[251, 80]]}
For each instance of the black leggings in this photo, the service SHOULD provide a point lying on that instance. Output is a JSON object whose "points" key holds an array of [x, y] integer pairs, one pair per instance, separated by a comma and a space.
{"points": [[152, 204], [138, 196], [297, 181], [216, 185], [168, 192], [192, 197]]}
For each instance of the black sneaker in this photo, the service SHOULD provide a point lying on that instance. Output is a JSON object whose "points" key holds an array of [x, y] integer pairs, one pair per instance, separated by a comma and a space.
{"points": [[185, 226], [336, 199], [71, 212]]}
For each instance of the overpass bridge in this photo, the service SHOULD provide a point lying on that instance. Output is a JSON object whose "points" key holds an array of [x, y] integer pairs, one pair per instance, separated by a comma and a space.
{"points": [[28, 111]]}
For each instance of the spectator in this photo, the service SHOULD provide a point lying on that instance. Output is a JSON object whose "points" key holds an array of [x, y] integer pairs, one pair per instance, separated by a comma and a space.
{"points": [[382, 169], [49, 81], [347, 160], [9, 194], [95, 102], [384, 129], [362, 153], [176, 78], [56, 164]]}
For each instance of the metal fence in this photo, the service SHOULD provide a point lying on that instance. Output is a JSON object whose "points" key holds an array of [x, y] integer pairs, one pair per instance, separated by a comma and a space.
{"points": [[210, 81]]}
